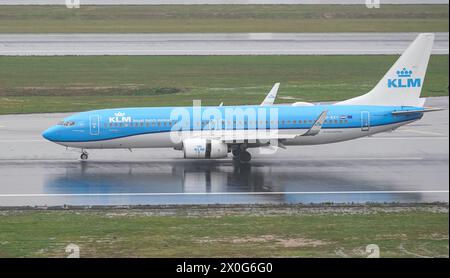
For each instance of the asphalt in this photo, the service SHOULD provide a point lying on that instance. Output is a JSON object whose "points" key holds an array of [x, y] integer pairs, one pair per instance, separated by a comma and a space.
{"points": [[214, 44], [408, 165], [211, 2]]}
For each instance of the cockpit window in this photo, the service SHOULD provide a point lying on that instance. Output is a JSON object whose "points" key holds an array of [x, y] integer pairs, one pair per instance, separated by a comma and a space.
{"points": [[66, 123]]}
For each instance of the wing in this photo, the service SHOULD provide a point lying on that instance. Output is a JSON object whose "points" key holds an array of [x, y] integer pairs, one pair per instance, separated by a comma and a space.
{"points": [[271, 96], [236, 136], [317, 126]]}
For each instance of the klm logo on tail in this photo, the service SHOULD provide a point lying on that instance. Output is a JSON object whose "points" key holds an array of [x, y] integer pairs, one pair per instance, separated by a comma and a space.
{"points": [[404, 80]]}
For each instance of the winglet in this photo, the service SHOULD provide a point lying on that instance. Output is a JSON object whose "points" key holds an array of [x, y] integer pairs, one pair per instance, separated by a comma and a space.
{"points": [[317, 126], [271, 96]]}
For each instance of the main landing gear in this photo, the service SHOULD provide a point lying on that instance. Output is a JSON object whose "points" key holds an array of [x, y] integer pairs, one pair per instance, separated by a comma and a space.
{"points": [[84, 155], [242, 155]]}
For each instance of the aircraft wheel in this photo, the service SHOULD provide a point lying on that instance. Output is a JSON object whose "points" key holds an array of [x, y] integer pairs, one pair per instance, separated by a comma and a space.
{"points": [[236, 153], [84, 156], [245, 156]]}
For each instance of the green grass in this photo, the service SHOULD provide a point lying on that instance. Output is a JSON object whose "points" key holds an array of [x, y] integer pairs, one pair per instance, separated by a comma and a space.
{"points": [[63, 84], [225, 18], [129, 234]]}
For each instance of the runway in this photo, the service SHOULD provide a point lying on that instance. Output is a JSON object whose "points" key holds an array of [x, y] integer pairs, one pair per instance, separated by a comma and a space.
{"points": [[408, 165], [211, 2], [214, 44]]}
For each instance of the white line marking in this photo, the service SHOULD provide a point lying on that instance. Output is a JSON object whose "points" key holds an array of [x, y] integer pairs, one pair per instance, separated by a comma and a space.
{"points": [[422, 132], [226, 193], [339, 158], [158, 52], [407, 138], [22, 141]]}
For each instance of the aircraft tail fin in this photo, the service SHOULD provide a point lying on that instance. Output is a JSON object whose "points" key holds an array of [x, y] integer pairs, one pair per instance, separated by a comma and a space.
{"points": [[402, 84]]}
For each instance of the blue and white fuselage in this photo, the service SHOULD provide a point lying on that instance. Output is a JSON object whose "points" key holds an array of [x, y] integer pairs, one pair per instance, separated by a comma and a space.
{"points": [[213, 132], [152, 127]]}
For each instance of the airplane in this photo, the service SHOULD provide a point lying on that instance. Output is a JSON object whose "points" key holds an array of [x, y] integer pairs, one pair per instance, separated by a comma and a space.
{"points": [[213, 132]]}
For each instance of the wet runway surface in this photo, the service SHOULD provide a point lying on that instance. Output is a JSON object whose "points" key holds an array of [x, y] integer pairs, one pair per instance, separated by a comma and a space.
{"points": [[222, 2], [214, 44], [201, 182], [408, 165]]}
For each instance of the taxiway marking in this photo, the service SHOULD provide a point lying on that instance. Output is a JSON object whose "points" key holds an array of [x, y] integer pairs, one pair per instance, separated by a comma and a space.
{"points": [[422, 132]]}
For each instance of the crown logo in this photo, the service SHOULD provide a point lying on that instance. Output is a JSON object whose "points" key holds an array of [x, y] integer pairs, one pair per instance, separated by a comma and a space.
{"points": [[119, 114], [404, 73]]}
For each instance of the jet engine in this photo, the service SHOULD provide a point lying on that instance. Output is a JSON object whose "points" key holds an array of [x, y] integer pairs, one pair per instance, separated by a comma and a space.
{"points": [[204, 148]]}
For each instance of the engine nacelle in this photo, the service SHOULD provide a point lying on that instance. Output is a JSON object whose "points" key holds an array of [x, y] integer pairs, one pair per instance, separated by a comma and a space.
{"points": [[204, 148]]}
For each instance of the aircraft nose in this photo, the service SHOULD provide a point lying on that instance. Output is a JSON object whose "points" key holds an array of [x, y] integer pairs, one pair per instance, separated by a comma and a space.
{"points": [[50, 134]]}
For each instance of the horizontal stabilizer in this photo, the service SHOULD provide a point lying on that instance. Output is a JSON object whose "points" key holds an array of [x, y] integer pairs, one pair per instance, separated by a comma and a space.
{"points": [[409, 112]]}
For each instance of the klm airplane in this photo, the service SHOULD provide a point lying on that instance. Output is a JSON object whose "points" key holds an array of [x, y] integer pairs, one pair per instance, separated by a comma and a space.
{"points": [[215, 131]]}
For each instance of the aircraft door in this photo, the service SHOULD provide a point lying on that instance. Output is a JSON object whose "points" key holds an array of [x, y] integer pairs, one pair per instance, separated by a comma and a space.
{"points": [[94, 126], [365, 120]]}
